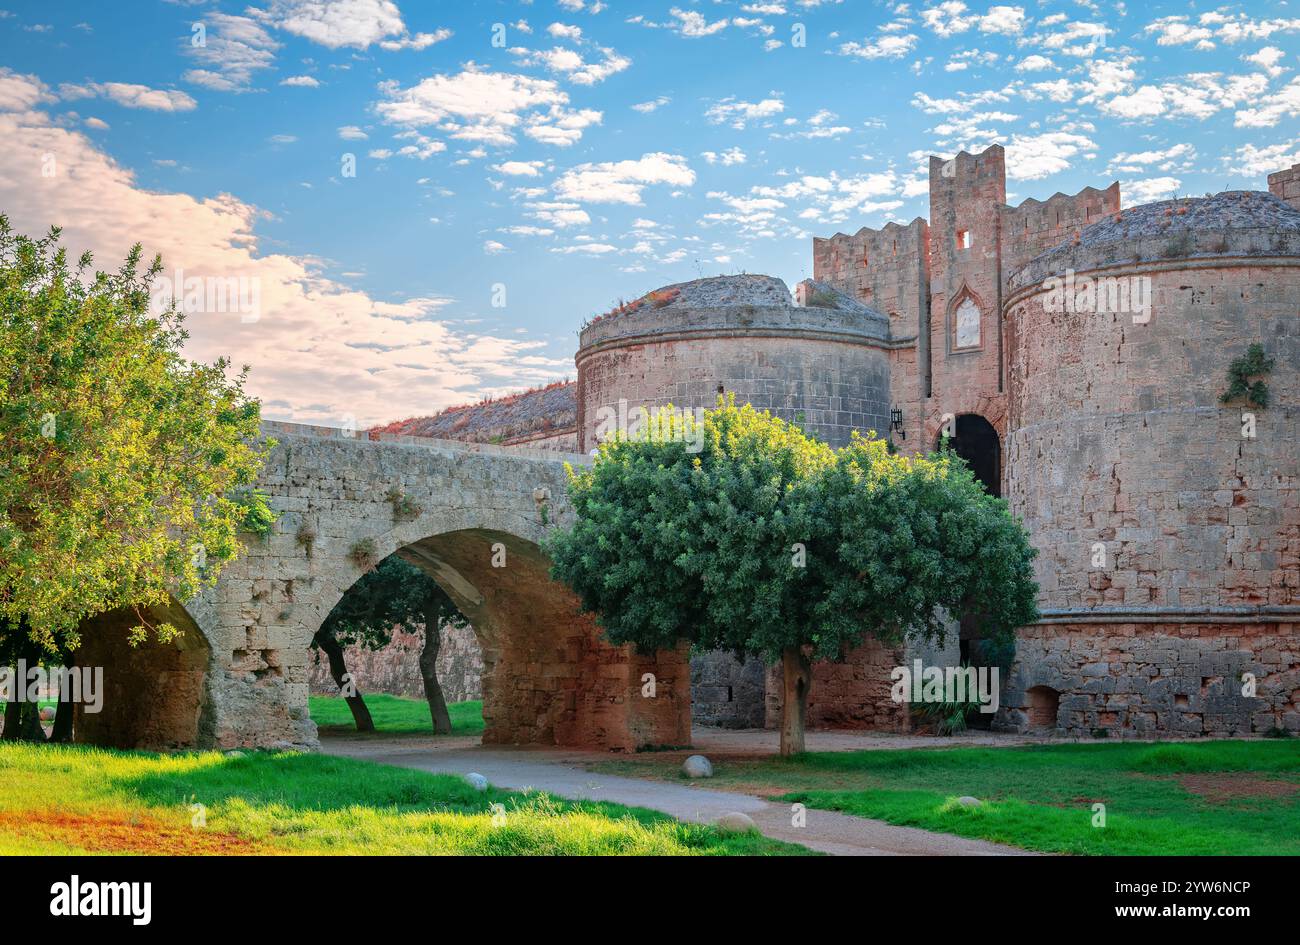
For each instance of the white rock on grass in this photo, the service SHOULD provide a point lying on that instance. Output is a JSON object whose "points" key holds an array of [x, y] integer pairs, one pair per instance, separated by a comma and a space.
{"points": [[477, 781], [968, 801], [697, 766], [735, 822]]}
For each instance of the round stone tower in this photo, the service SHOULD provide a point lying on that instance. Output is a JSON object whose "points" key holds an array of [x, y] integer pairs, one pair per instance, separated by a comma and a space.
{"points": [[823, 363], [1167, 520]]}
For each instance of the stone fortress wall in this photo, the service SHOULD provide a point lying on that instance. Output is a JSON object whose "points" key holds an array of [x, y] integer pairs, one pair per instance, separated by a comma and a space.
{"points": [[1095, 427]]}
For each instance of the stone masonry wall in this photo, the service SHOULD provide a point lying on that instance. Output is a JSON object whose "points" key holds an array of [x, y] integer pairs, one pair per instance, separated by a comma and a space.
{"points": [[728, 692], [1035, 226], [1167, 679], [395, 669], [837, 388], [853, 694], [1286, 185]]}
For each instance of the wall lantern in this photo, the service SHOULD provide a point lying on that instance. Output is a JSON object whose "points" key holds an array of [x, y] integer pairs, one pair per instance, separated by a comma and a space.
{"points": [[896, 422]]}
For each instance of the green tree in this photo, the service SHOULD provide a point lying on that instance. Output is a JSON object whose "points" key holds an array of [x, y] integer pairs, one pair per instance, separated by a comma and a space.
{"points": [[768, 542], [126, 470], [394, 595]]}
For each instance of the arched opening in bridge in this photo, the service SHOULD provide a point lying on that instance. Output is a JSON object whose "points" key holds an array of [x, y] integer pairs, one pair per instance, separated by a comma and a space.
{"points": [[976, 441], [381, 668], [548, 677], [153, 694]]}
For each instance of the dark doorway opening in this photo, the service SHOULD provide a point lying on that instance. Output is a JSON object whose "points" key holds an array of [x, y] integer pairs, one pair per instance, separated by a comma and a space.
{"points": [[977, 443]]}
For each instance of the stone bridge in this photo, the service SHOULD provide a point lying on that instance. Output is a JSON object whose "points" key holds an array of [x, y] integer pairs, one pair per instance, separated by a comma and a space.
{"points": [[470, 515]]}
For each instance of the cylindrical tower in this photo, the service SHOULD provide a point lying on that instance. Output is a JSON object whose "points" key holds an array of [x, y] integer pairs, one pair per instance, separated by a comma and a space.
{"points": [[1167, 519], [823, 364]]}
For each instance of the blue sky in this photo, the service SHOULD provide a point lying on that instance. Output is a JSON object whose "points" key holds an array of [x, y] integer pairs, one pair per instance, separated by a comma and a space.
{"points": [[574, 153]]}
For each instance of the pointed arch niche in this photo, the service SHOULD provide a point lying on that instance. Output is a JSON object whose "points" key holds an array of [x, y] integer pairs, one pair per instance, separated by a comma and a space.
{"points": [[965, 322]]}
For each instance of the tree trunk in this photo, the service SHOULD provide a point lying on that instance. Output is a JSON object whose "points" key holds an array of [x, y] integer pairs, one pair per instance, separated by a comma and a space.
{"points": [[13, 720], [796, 671], [429, 670], [25, 717], [14, 709], [32, 729], [339, 670], [64, 711]]}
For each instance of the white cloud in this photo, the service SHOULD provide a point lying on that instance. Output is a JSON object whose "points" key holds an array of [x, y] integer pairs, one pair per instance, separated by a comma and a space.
{"points": [[131, 96], [1229, 28], [21, 92], [590, 249], [1251, 161], [301, 81], [571, 63], [492, 247], [520, 168], [883, 47], [1284, 103], [646, 107], [738, 113], [557, 213], [352, 133], [319, 350], [565, 31], [726, 158], [1267, 59], [1177, 31], [337, 23], [952, 17], [1148, 190], [417, 42], [235, 47], [1198, 95], [623, 181], [488, 107], [1034, 63], [1165, 159], [1031, 157], [692, 24]]}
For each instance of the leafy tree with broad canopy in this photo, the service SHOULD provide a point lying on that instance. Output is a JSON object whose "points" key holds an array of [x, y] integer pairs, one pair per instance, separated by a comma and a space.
{"points": [[768, 542], [395, 595], [126, 470]]}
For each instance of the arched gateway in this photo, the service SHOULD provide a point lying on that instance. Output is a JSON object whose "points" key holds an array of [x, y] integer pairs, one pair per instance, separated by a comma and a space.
{"points": [[472, 516]]}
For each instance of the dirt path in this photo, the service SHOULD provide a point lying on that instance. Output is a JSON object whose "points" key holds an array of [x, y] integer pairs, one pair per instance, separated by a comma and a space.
{"points": [[559, 772]]}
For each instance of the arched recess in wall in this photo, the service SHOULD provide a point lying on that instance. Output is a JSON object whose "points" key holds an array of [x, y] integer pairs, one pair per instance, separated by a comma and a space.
{"points": [[976, 441], [965, 322], [154, 695]]}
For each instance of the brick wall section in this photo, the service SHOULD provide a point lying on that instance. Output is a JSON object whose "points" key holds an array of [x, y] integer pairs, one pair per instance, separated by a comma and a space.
{"points": [[1286, 185]]}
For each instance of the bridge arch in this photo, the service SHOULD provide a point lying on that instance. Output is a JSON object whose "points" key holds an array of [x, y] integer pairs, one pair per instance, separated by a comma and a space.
{"points": [[345, 504], [154, 695]]}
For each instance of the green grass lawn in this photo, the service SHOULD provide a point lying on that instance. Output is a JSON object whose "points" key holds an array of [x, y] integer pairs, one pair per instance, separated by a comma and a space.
{"points": [[1220, 797], [74, 799], [395, 714]]}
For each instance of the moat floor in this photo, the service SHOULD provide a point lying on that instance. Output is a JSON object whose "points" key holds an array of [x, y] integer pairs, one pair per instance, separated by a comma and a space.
{"points": [[562, 772]]}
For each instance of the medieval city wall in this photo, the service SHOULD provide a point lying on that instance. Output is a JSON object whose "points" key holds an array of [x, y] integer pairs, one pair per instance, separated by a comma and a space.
{"points": [[1168, 528]]}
